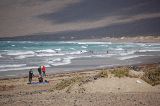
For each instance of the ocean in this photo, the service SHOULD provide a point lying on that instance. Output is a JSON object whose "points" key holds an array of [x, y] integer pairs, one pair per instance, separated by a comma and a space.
{"points": [[24, 55]]}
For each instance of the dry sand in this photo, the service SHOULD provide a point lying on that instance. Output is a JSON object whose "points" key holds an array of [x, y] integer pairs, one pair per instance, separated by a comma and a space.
{"points": [[111, 91]]}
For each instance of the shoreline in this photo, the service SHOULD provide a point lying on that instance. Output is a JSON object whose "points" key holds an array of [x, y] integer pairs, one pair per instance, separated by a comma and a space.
{"points": [[80, 70], [86, 70]]}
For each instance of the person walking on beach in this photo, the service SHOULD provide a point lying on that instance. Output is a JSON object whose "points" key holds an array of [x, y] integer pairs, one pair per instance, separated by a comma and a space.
{"points": [[30, 76]]}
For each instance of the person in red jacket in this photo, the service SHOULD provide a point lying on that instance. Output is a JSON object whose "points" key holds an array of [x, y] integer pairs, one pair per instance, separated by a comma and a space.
{"points": [[43, 71]]}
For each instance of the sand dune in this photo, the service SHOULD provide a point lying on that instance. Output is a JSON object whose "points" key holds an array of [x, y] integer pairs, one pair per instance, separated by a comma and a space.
{"points": [[81, 89]]}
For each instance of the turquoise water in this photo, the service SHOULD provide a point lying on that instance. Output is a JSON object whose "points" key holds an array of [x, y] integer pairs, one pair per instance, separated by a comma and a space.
{"points": [[18, 55]]}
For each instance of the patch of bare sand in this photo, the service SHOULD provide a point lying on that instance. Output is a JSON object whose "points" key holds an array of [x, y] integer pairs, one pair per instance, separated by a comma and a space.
{"points": [[119, 85]]}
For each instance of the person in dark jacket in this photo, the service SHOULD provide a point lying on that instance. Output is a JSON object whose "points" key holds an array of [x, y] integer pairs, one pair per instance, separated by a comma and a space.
{"points": [[39, 70], [30, 76]]}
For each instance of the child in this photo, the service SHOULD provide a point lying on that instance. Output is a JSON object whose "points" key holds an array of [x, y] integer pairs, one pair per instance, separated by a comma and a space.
{"points": [[40, 78]]}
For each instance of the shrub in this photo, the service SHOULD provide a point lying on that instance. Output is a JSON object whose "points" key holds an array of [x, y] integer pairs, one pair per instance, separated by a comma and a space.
{"points": [[152, 76], [120, 72], [66, 83], [102, 74]]}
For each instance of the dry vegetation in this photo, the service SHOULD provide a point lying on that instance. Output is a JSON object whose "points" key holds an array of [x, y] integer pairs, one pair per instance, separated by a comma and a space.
{"points": [[152, 76], [67, 82], [102, 74], [120, 72]]}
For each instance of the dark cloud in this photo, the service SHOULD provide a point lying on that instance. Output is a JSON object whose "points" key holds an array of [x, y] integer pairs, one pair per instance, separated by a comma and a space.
{"points": [[148, 6], [8, 3], [124, 29], [88, 10], [129, 29], [79, 18]]}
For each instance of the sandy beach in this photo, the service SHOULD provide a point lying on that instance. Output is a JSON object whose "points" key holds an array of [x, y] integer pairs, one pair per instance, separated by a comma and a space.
{"points": [[85, 88]]}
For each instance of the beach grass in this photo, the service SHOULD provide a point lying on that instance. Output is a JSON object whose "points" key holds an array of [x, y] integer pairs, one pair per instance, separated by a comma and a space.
{"points": [[67, 82], [152, 76], [102, 74], [120, 72]]}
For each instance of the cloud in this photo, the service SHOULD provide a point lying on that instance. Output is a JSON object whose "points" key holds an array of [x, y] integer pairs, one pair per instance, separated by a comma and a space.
{"points": [[18, 17], [87, 10], [105, 22], [25, 17]]}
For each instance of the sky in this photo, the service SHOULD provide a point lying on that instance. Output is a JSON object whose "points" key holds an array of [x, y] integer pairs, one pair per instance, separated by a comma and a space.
{"points": [[107, 17]]}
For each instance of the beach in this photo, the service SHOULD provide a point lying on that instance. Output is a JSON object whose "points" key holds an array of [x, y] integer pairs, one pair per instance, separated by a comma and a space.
{"points": [[84, 88], [79, 53]]}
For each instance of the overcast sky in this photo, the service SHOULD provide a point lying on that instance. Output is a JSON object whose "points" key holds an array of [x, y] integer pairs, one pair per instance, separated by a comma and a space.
{"points": [[27, 17]]}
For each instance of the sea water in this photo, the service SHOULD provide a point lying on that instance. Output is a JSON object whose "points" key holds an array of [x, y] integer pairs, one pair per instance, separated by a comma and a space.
{"points": [[20, 55]]}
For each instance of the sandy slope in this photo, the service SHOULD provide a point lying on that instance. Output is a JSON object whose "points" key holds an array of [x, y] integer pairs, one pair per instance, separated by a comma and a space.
{"points": [[109, 91], [120, 85]]}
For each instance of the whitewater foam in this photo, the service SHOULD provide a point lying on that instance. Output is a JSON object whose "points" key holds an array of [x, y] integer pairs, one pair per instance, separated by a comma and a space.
{"points": [[13, 65], [24, 56], [148, 50], [120, 49], [127, 53], [104, 55], [83, 43], [77, 52], [64, 61], [83, 47], [19, 68], [48, 54], [72, 48], [103, 45], [59, 49], [52, 61], [47, 51], [57, 59], [13, 53]]}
